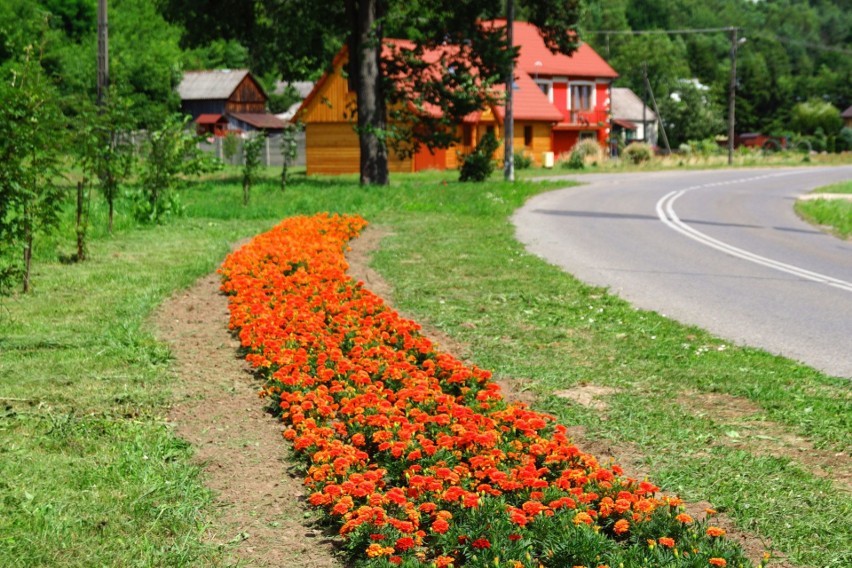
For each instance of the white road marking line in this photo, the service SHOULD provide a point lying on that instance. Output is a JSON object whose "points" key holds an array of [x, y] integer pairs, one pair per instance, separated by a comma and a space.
{"points": [[666, 213]]}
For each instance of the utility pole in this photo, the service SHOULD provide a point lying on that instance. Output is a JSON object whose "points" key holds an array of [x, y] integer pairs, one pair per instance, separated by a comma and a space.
{"points": [[656, 108], [103, 52], [509, 119], [732, 96]]}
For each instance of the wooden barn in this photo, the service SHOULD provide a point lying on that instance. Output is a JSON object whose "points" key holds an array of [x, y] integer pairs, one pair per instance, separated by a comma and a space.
{"points": [[557, 101], [226, 100]]}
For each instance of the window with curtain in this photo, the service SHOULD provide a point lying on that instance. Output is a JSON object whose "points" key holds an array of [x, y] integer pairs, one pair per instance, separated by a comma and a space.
{"points": [[582, 96]]}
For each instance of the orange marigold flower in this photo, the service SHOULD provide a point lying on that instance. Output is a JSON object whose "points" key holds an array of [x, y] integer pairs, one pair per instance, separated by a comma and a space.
{"points": [[375, 550], [481, 543], [443, 562], [427, 507], [666, 541], [718, 562], [715, 531], [582, 517], [684, 518], [621, 526], [440, 526], [404, 544]]}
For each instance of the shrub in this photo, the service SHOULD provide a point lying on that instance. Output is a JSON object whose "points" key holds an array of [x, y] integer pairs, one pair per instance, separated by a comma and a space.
{"points": [[169, 154], [638, 152], [572, 161], [705, 148], [230, 147], [252, 148], [479, 164], [523, 160], [588, 148], [844, 141]]}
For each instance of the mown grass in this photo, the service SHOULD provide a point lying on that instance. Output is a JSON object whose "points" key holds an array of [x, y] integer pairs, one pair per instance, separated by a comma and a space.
{"points": [[90, 473], [835, 214]]}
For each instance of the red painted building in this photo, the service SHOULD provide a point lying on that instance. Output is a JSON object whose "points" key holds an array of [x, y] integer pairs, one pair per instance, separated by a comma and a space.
{"points": [[557, 101]]}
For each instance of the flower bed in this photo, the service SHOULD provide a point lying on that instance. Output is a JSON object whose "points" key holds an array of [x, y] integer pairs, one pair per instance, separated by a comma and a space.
{"points": [[417, 457]]}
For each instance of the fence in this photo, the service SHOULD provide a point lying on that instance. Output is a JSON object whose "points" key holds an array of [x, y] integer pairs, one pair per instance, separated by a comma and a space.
{"points": [[271, 156]]}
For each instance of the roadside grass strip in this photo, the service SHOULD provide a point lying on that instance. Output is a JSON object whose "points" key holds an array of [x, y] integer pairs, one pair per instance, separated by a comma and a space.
{"points": [[416, 458]]}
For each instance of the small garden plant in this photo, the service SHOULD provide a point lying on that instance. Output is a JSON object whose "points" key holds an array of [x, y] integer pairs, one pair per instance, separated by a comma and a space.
{"points": [[479, 164]]}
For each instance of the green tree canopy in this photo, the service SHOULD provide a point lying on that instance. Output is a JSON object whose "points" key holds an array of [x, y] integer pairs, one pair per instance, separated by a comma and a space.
{"points": [[816, 114]]}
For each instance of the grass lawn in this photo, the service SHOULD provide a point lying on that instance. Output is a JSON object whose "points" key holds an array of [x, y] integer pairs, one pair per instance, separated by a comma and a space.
{"points": [[90, 473], [836, 214]]}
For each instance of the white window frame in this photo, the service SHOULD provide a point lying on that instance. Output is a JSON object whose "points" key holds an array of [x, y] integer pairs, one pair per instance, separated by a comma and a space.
{"points": [[546, 82], [592, 100]]}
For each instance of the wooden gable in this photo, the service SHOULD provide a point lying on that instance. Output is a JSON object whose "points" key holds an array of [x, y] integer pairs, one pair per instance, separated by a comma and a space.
{"points": [[248, 96], [330, 100]]}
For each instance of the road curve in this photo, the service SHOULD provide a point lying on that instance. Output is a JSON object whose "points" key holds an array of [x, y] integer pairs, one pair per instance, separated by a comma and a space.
{"points": [[720, 249]]}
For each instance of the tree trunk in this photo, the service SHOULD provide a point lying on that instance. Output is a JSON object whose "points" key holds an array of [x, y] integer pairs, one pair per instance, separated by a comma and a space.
{"points": [[111, 209], [28, 255], [81, 231], [365, 49]]}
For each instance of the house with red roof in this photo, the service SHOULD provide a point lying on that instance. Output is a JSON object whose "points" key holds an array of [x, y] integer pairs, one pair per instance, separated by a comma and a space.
{"points": [[557, 101]]}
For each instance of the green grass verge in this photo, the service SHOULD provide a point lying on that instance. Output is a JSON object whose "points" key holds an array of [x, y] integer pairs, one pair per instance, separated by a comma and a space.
{"points": [[836, 214], [91, 475], [528, 321]]}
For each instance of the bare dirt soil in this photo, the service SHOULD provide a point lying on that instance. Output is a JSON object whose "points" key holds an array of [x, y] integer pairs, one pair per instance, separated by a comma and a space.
{"points": [[258, 492], [265, 520]]}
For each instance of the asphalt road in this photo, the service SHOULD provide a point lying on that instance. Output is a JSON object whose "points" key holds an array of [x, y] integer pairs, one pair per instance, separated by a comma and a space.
{"points": [[719, 249]]}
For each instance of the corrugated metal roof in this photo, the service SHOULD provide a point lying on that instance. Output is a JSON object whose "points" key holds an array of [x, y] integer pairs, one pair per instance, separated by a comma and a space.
{"points": [[218, 84], [259, 119], [209, 118], [627, 106]]}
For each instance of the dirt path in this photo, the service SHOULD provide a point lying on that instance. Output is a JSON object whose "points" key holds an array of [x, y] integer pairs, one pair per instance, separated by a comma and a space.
{"points": [[217, 410], [265, 520]]}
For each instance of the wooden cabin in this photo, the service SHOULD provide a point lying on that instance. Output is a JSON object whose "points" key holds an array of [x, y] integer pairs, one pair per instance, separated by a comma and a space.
{"points": [[226, 100], [557, 100]]}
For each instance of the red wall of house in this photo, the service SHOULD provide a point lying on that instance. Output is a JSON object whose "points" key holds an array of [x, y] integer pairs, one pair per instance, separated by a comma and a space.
{"points": [[601, 96], [564, 140], [560, 98], [430, 160]]}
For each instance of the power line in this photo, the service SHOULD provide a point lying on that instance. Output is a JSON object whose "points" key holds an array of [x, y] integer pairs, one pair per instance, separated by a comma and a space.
{"points": [[669, 32], [810, 45], [782, 39]]}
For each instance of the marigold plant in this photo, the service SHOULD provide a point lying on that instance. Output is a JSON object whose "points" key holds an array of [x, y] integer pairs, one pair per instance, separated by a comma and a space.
{"points": [[416, 457]]}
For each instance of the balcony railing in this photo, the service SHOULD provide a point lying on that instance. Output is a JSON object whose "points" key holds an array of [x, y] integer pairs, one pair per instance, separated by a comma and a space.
{"points": [[587, 117]]}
